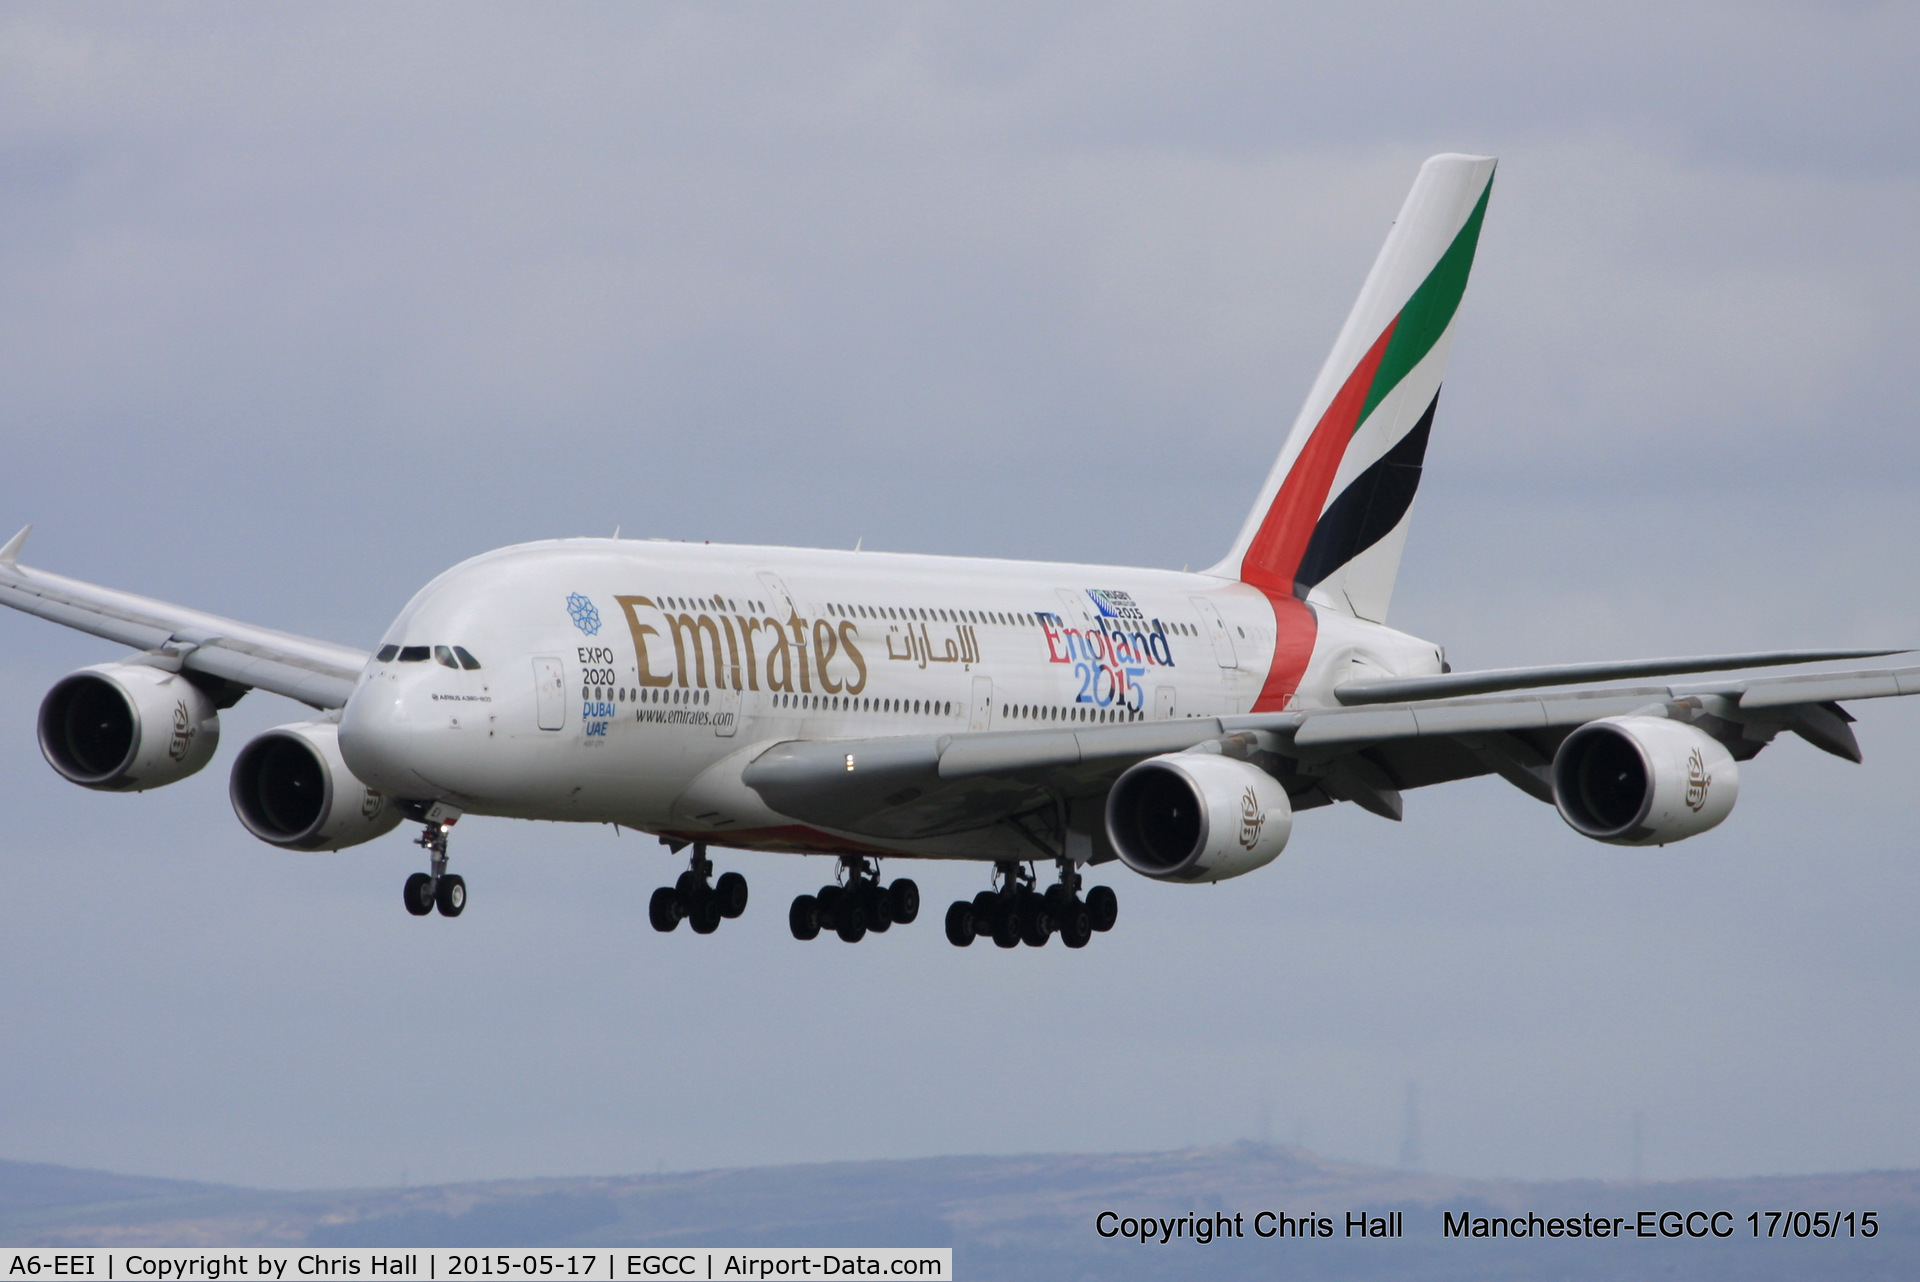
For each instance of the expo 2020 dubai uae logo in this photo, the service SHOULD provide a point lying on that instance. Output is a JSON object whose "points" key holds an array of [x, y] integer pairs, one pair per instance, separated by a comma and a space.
{"points": [[585, 617]]}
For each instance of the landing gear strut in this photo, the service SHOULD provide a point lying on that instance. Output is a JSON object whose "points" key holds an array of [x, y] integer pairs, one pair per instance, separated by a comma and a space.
{"points": [[1017, 913], [857, 907], [703, 905], [426, 891]]}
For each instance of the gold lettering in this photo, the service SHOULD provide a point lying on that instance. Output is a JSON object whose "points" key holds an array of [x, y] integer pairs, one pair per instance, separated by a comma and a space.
{"points": [[733, 651], [747, 628], [640, 633], [687, 627], [847, 634], [799, 627], [823, 647], [781, 680]]}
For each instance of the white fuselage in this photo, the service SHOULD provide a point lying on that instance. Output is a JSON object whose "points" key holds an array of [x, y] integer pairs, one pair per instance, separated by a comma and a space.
{"points": [[629, 682]]}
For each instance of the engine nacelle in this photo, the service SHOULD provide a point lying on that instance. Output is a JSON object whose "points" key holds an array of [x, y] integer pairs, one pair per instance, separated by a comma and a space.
{"points": [[1643, 781], [1195, 816], [291, 789], [127, 727]]}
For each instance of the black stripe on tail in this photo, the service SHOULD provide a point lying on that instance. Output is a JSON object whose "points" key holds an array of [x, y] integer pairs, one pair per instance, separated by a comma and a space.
{"points": [[1368, 509]]}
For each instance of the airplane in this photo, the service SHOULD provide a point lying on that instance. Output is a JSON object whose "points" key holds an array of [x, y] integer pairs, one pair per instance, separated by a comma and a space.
{"points": [[868, 705]]}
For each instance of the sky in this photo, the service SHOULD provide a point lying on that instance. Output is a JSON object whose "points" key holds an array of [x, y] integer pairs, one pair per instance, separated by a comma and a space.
{"points": [[300, 305]]}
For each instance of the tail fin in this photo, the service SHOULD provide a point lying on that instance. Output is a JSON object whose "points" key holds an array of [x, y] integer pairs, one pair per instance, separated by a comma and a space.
{"points": [[1332, 517]]}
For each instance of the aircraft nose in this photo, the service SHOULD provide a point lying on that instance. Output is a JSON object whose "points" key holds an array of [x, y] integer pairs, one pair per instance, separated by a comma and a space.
{"points": [[374, 733]]}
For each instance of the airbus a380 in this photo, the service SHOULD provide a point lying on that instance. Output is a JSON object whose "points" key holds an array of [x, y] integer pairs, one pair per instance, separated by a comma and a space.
{"points": [[870, 706]]}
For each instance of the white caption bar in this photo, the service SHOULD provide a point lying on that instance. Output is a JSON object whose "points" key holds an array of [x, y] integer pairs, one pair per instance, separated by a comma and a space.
{"points": [[363, 1264]]}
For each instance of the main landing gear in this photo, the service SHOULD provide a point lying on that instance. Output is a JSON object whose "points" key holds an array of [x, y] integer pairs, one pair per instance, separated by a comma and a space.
{"points": [[426, 891], [1017, 913], [860, 905], [703, 905]]}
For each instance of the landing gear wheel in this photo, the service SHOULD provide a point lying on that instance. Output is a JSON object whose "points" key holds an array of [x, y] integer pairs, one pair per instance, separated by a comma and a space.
{"points": [[730, 892], [903, 898], [419, 894], [704, 916], [451, 898], [874, 907], [849, 924], [1035, 926], [1006, 925], [1076, 925], [663, 910], [1103, 906], [691, 885], [960, 923], [830, 898], [803, 919]]}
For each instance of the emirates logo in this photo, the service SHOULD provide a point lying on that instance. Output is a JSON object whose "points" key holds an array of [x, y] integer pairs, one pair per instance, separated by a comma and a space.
{"points": [[1699, 782], [183, 731], [1252, 820]]}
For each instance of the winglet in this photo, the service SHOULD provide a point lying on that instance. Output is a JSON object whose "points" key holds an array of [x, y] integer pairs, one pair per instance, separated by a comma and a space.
{"points": [[10, 552]]}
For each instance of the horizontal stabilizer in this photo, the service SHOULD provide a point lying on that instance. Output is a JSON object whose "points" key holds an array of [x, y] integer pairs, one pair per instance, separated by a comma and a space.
{"points": [[1454, 684]]}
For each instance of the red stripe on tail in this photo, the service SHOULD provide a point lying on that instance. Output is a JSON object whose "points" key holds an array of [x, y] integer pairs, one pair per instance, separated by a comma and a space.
{"points": [[1273, 557]]}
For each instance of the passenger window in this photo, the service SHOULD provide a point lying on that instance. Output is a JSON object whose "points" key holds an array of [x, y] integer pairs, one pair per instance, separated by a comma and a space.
{"points": [[467, 661], [387, 652], [444, 657], [413, 654]]}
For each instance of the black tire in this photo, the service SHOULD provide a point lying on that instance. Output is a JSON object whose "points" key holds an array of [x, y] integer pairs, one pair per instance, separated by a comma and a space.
{"points": [[419, 894], [731, 894], [960, 924], [850, 926], [691, 887], [1076, 926], [1059, 900], [1006, 924], [986, 911], [829, 898], [803, 919], [874, 907], [1036, 926], [451, 897], [1103, 906], [705, 917], [663, 910], [903, 898]]}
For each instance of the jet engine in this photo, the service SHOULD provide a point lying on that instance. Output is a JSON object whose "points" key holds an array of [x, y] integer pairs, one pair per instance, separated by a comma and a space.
{"points": [[127, 727], [1643, 781], [1196, 816], [291, 789]]}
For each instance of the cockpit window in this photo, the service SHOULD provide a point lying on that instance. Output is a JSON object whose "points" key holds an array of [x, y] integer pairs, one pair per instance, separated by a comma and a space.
{"points": [[387, 652], [413, 654], [467, 661], [444, 657]]}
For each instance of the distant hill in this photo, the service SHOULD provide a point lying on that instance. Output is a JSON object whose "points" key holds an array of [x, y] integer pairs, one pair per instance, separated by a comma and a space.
{"points": [[1007, 1217]]}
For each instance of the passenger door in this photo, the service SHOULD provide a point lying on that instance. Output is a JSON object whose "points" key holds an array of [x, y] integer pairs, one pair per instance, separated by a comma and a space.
{"points": [[550, 691], [1216, 629], [982, 704]]}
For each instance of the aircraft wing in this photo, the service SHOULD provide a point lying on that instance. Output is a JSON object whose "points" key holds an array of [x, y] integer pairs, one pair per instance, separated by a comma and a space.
{"points": [[924, 786], [317, 673]]}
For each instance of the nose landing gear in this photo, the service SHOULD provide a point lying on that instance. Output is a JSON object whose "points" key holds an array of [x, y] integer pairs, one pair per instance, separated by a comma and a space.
{"points": [[703, 906], [860, 906], [426, 891], [1017, 913]]}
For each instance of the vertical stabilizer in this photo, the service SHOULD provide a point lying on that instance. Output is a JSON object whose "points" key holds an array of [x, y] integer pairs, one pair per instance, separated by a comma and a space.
{"points": [[1332, 518]]}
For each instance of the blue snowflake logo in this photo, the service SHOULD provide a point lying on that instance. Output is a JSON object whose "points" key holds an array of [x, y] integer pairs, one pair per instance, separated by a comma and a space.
{"points": [[585, 617]]}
